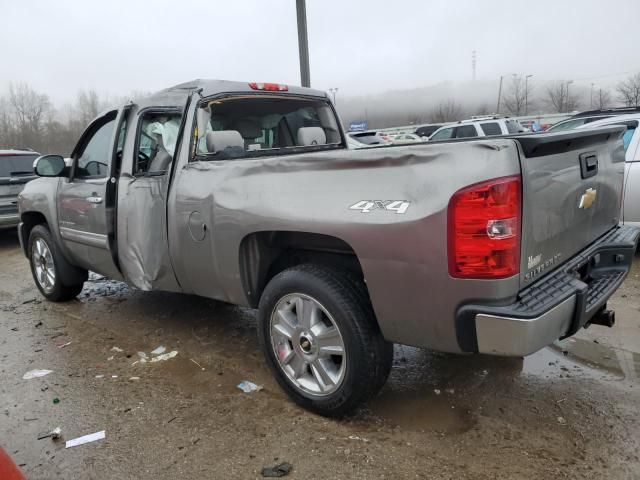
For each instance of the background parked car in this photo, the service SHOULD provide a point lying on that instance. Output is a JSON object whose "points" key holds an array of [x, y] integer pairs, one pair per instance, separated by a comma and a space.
{"points": [[16, 169], [631, 141], [427, 130], [407, 138], [480, 127], [370, 137], [590, 116]]}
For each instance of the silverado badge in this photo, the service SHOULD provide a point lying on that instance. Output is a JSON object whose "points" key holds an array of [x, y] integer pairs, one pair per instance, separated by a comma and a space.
{"points": [[587, 198]]}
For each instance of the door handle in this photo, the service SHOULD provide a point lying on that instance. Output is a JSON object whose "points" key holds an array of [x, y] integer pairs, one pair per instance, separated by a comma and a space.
{"points": [[94, 199]]}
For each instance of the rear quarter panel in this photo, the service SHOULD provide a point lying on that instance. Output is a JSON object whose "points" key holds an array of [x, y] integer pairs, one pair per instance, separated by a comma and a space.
{"points": [[403, 256]]}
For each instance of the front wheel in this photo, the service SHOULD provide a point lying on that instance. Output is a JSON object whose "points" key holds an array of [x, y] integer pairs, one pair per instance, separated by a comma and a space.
{"points": [[46, 261], [320, 337]]}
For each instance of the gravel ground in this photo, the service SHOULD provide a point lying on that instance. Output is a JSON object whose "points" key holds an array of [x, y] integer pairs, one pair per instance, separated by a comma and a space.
{"points": [[569, 411]]}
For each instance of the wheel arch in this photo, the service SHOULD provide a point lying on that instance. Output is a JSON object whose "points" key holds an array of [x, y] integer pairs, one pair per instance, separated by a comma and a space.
{"points": [[28, 220], [264, 254]]}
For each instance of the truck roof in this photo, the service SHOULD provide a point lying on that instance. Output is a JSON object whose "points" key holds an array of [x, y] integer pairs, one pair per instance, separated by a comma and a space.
{"points": [[211, 87]]}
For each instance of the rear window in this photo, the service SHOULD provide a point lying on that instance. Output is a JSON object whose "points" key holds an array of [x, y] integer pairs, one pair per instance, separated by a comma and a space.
{"points": [[16, 165], [491, 128], [513, 126], [257, 125]]}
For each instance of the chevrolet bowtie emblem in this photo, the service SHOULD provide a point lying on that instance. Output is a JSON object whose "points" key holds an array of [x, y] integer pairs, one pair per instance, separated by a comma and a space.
{"points": [[587, 198]]}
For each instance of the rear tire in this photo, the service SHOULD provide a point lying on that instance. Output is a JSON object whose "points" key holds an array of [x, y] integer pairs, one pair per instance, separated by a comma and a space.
{"points": [[46, 263], [320, 337]]}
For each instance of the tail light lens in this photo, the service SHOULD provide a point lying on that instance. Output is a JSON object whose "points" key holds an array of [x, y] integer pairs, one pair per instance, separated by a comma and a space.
{"points": [[484, 229]]}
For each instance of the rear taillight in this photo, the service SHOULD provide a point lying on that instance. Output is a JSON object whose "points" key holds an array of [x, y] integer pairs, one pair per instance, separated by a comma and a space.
{"points": [[484, 229], [269, 87]]}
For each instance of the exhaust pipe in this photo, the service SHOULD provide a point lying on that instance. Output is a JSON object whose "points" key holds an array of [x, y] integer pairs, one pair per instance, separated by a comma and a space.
{"points": [[604, 317]]}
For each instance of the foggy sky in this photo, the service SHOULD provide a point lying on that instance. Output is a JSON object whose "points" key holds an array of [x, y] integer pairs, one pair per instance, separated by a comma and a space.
{"points": [[359, 46]]}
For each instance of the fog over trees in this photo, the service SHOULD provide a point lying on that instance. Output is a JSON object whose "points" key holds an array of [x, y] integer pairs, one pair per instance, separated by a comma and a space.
{"points": [[29, 119]]}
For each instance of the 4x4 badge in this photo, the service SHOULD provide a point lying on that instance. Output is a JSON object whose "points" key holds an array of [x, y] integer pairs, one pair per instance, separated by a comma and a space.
{"points": [[366, 206]]}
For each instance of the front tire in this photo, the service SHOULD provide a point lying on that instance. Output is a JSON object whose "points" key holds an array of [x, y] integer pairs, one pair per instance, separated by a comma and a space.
{"points": [[46, 263], [320, 337]]}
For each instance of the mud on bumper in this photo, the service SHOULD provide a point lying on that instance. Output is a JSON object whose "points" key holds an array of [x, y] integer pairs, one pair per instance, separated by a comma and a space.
{"points": [[556, 306]]}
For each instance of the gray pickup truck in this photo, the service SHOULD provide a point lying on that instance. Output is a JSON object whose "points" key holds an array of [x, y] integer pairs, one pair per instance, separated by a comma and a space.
{"points": [[247, 193]]}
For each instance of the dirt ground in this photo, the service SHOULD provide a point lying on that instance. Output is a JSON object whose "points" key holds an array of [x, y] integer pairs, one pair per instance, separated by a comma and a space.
{"points": [[569, 411]]}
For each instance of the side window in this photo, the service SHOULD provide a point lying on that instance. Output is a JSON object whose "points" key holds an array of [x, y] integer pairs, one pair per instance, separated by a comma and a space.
{"points": [[466, 131], [94, 159], [443, 134], [628, 135], [156, 142], [490, 129]]}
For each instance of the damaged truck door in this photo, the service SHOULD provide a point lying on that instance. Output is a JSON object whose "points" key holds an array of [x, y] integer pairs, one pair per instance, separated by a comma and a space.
{"points": [[86, 199]]}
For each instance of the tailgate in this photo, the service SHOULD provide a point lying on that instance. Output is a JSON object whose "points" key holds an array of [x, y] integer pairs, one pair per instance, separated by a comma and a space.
{"points": [[571, 187]]}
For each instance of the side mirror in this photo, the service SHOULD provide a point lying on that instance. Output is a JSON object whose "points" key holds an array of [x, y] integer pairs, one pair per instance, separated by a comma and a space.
{"points": [[50, 166]]}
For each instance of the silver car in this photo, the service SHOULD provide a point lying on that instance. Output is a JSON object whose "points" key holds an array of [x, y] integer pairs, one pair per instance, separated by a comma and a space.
{"points": [[631, 143], [16, 169]]}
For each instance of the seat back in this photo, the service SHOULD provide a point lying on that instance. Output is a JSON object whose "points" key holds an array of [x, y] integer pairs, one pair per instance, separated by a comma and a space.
{"points": [[311, 136], [223, 139]]}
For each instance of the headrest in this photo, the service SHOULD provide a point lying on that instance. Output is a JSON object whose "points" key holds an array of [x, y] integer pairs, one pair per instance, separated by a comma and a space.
{"points": [[248, 128], [311, 136], [220, 140]]}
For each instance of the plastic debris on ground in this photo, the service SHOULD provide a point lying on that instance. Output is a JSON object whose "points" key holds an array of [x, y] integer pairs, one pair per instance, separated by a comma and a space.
{"points": [[361, 439], [280, 470], [249, 387], [54, 434], [159, 351], [63, 345], [36, 374], [92, 437], [56, 401], [134, 378], [197, 364], [116, 349], [562, 421], [99, 376], [165, 356]]}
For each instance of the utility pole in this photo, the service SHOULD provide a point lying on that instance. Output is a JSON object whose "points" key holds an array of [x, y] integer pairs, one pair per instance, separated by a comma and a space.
{"points": [[591, 102], [526, 93], [303, 43], [499, 95], [473, 65], [568, 103], [333, 91]]}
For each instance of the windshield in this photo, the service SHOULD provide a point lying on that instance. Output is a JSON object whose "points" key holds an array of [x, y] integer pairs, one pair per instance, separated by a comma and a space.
{"points": [[254, 125], [17, 165]]}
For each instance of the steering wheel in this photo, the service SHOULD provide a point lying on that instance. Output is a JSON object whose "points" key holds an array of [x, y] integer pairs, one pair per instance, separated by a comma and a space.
{"points": [[143, 156]]}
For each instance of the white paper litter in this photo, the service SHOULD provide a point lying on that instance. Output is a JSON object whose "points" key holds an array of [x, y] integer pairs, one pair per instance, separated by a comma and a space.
{"points": [[35, 374], [249, 387], [99, 376], [92, 437], [142, 355], [165, 356], [116, 349], [110, 358], [159, 351], [134, 378]]}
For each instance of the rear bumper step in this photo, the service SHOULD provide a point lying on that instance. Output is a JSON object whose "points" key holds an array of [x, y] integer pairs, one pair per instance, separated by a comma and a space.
{"points": [[557, 305]]}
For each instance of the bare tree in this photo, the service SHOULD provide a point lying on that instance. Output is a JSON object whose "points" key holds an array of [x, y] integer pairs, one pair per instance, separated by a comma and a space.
{"points": [[515, 97], [88, 106], [602, 99], [447, 111], [29, 107], [560, 99], [483, 109], [629, 91]]}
